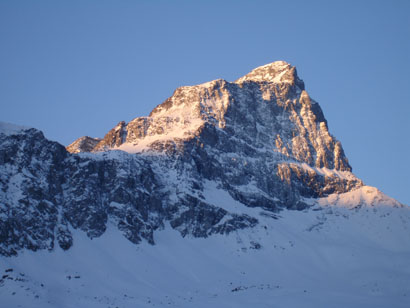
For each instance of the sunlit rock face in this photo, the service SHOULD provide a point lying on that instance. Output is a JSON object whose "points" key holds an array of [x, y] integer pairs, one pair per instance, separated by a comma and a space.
{"points": [[260, 135], [267, 109], [261, 140], [83, 144]]}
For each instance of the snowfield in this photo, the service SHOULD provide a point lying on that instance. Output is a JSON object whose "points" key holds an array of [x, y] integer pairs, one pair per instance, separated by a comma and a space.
{"points": [[327, 256]]}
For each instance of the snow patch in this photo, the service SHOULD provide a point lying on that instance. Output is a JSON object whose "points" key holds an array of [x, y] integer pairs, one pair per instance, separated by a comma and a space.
{"points": [[11, 129], [363, 196], [346, 175]]}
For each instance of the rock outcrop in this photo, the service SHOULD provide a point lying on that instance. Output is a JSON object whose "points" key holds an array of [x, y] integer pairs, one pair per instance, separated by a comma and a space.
{"points": [[83, 144]]}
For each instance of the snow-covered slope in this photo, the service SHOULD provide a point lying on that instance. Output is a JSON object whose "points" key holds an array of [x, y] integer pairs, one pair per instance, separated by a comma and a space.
{"points": [[324, 257], [366, 196]]}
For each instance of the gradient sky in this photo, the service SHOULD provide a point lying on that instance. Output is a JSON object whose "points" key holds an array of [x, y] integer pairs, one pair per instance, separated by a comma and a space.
{"points": [[74, 68]]}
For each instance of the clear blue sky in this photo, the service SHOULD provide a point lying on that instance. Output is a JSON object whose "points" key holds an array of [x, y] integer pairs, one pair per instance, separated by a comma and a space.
{"points": [[74, 68]]}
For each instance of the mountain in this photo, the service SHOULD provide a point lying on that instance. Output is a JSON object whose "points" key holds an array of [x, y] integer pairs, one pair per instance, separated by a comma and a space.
{"points": [[227, 194]]}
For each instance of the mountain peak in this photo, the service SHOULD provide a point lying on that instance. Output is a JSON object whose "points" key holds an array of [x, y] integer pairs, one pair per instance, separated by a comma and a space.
{"points": [[277, 64], [83, 144], [278, 72]]}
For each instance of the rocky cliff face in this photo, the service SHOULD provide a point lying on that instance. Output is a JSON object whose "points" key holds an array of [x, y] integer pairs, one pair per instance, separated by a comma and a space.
{"points": [[261, 139], [268, 109], [46, 192], [262, 131]]}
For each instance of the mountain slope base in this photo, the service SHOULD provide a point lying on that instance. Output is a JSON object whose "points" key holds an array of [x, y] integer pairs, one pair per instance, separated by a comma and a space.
{"points": [[323, 257]]}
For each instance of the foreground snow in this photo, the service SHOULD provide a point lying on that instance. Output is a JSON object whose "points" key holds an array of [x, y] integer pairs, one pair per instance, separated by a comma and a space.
{"points": [[324, 257]]}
